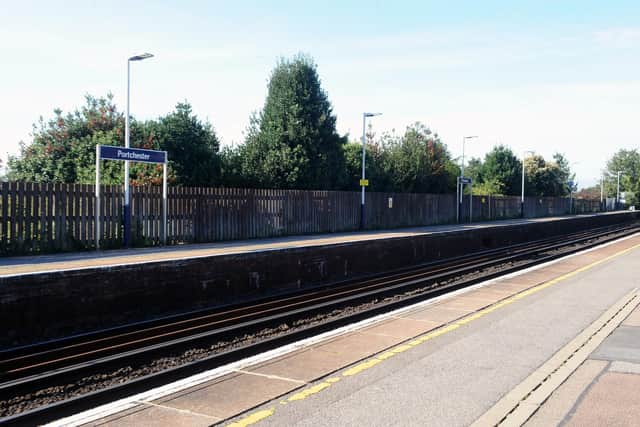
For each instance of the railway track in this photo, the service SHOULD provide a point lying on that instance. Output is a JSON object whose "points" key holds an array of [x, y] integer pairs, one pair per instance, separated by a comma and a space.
{"points": [[28, 369]]}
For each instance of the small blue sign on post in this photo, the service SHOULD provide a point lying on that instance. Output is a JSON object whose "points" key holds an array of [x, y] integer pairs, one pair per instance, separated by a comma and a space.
{"points": [[109, 152], [462, 181]]}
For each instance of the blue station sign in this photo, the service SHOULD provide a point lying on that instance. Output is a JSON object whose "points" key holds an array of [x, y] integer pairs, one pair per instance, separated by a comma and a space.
{"points": [[110, 152]]}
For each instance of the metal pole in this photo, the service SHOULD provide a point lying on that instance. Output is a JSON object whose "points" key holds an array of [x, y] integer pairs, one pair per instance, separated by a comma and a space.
{"points": [[97, 196], [362, 222], [458, 200], [522, 196], [164, 200], [618, 191], [463, 140], [602, 192], [461, 184], [471, 202], [571, 200], [127, 207]]}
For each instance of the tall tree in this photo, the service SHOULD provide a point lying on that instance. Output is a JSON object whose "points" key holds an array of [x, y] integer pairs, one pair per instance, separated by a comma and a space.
{"points": [[191, 145], [231, 167], [565, 175], [293, 142], [628, 162], [63, 148], [419, 162], [473, 169], [544, 178], [375, 161], [591, 193], [503, 170]]}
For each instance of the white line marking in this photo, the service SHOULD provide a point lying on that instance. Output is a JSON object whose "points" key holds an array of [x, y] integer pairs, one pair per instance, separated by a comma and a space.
{"points": [[273, 377], [157, 393], [184, 411]]}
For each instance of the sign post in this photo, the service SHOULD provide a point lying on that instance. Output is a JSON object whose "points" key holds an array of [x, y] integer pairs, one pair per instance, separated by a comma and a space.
{"points": [[108, 152], [462, 181], [98, 231]]}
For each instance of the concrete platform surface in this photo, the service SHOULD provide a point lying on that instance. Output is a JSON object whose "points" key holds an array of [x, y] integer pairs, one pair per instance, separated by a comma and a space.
{"points": [[445, 363], [605, 390], [81, 260]]}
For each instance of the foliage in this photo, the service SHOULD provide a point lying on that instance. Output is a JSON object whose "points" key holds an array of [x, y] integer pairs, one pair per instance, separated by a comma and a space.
{"points": [[418, 162], [544, 178], [628, 162], [293, 142], [503, 170], [191, 146], [565, 175], [488, 188], [231, 168], [374, 162], [63, 148], [473, 170], [501, 173], [590, 193]]}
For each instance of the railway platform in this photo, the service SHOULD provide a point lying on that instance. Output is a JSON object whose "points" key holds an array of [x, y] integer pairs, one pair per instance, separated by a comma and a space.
{"points": [[555, 344], [29, 265]]}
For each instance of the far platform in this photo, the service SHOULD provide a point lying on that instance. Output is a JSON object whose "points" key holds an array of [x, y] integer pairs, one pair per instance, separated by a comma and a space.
{"points": [[24, 265]]}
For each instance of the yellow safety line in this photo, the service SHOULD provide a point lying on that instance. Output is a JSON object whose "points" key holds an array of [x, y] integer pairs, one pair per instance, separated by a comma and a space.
{"points": [[363, 366], [253, 418]]}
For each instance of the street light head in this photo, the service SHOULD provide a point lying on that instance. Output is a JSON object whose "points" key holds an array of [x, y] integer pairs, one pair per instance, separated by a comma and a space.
{"points": [[141, 57], [472, 136], [372, 114]]}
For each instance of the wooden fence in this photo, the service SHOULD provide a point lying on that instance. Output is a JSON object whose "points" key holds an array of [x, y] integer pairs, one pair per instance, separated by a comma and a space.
{"points": [[37, 218]]}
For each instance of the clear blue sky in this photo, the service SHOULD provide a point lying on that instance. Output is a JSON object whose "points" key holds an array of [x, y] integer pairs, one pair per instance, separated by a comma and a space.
{"points": [[550, 76]]}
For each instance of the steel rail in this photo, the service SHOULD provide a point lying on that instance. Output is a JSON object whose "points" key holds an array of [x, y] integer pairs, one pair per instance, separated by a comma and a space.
{"points": [[14, 365]]}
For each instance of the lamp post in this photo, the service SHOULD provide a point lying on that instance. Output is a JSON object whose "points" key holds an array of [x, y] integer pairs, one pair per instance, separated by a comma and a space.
{"points": [[602, 191], [127, 206], [362, 181], [571, 184], [524, 156], [460, 185], [618, 190]]}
